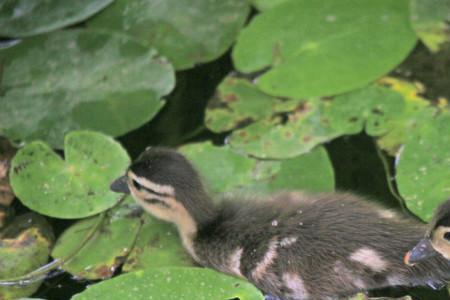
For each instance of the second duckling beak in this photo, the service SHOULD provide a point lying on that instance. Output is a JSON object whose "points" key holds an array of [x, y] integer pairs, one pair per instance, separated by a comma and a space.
{"points": [[120, 185], [421, 251]]}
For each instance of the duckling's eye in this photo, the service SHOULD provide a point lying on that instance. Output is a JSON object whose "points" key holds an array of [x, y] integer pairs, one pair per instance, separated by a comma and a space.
{"points": [[447, 236], [136, 185]]}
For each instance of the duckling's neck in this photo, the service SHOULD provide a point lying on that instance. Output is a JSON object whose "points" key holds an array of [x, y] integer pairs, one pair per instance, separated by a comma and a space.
{"points": [[198, 212]]}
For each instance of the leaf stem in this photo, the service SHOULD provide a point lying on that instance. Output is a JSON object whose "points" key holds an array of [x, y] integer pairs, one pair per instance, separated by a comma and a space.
{"points": [[390, 179]]}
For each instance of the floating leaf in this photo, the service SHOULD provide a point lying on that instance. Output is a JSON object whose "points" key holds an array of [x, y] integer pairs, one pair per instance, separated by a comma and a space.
{"points": [[105, 251], [329, 47], [226, 171], [239, 102], [430, 18], [75, 188], [172, 284], [311, 172], [24, 246], [424, 166], [416, 110], [25, 18], [315, 121], [187, 32], [157, 245], [50, 85]]}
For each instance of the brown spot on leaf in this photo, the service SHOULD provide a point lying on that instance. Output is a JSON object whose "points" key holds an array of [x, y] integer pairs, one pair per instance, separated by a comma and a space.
{"points": [[217, 103], [243, 134], [230, 98], [243, 122], [103, 272], [306, 139], [288, 134], [353, 119], [377, 111], [154, 241]]}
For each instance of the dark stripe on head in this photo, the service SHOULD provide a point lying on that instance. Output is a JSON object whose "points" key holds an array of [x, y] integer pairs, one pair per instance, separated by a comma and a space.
{"points": [[140, 187], [156, 201]]}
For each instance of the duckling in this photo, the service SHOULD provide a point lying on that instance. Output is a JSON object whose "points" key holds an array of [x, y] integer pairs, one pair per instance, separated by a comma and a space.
{"points": [[436, 240], [292, 245]]}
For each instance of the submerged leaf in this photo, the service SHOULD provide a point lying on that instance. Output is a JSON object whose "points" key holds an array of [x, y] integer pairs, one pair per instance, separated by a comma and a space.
{"points": [[172, 284], [187, 32], [31, 17], [76, 187], [324, 47], [79, 79]]}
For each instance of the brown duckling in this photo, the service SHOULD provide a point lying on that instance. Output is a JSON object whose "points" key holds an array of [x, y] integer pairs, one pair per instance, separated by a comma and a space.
{"points": [[292, 245], [436, 240]]}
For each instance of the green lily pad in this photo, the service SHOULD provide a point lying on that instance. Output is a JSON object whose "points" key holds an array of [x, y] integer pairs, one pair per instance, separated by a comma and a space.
{"points": [[226, 171], [50, 86], [416, 110], [172, 284], [76, 187], [263, 5], [24, 246], [322, 49], [430, 19], [275, 138], [187, 32], [238, 102], [311, 171], [424, 166], [377, 109], [157, 245], [25, 18], [105, 251]]}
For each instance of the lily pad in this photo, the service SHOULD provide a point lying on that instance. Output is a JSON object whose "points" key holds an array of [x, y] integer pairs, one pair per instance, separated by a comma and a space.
{"points": [[226, 171], [187, 32], [322, 49], [50, 86], [157, 245], [375, 109], [24, 246], [430, 19], [76, 187], [238, 102], [416, 110], [312, 172], [20, 18], [172, 284], [105, 251], [424, 166]]}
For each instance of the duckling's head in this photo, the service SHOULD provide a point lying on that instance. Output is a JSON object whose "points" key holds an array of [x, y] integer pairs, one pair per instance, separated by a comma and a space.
{"points": [[166, 185], [437, 238]]}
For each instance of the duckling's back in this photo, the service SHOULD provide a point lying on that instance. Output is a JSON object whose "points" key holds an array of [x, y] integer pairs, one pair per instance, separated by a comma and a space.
{"points": [[325, 246]]}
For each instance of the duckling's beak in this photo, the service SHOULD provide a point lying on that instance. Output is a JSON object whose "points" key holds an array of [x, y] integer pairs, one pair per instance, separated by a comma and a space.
{"points": [[421, 251], [120, 185]]}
